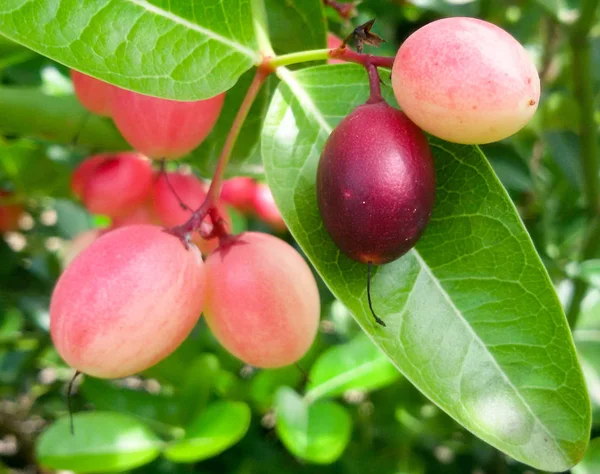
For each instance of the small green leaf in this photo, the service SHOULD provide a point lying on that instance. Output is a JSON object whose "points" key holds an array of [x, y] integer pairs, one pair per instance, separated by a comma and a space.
{"points": [[103, 441], [317, 433], [175, 49], [217, 428], [590, 464], [266, 383], [359, 365], [472, 317]]}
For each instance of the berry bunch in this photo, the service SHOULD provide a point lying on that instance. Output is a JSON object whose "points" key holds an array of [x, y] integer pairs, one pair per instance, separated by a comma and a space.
{"points": [[461, 79]]}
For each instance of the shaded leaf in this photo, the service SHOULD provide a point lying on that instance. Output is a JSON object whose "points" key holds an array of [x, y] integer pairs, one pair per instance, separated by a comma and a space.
{"points": [[316, 433], [217, 428], [104, 441], [358, 364]]}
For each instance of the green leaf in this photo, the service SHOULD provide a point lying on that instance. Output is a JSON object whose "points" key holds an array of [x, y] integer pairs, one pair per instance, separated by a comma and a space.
{"points": [[296, 25], [196, 388], [472, 317], [358, 364], [71, 218], [266, 383], [217, 428], [317, 433], [103, 441], [151, 408], [245, 157], [590, 464], [180, 50]]}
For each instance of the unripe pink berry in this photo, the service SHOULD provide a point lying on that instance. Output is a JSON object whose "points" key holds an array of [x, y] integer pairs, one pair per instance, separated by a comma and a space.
{"points": [[127, 301]]}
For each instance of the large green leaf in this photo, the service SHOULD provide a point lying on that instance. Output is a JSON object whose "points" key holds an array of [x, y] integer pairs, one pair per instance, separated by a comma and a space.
{"points": [[177, 49], [472, 318], [103, 442], [317, 432], [358, 364], [217, 428]]}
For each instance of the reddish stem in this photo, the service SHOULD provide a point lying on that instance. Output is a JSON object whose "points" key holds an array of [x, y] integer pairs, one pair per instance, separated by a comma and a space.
{"points": [[374, 84], [346, 54], [209, 206]]}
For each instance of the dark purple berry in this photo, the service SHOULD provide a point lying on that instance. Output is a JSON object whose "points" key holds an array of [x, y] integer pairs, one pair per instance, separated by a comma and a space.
{"points": [[376, 184]]}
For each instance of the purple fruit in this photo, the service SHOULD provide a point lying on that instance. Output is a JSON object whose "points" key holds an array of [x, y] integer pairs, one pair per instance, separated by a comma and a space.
{"points": [[376, 184]]}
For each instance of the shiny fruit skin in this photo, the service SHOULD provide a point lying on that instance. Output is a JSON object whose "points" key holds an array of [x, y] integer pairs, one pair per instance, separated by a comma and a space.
{"points": [[127, 301], [376, 184], [262, 302], [163, 128], [466, 81], [94, 94]]}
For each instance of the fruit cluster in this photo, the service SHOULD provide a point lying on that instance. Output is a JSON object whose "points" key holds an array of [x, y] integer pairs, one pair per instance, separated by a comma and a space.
{"points": [[460, 79], [137, 282]]}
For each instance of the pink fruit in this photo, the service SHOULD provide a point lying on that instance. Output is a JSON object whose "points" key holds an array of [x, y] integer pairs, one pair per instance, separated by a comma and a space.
{"points": [[192, 192], [117, 185], [466, 81], [239, 193], [262, 302], [94, 94], [127, 301], [10, 214], [162, 128], [83, 172], [266, 209]]}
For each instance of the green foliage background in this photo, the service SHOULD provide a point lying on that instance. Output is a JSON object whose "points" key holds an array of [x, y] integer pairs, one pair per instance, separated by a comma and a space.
{"points": [[201, 410]]}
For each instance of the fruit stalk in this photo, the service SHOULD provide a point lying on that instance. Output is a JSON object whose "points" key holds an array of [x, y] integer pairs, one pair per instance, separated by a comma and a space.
{"points": [[374, 85], [208, 207], [344, 54]]}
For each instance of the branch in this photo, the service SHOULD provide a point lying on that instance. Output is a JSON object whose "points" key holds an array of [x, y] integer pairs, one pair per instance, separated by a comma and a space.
{"points": [[30, 113], [584, 92]]}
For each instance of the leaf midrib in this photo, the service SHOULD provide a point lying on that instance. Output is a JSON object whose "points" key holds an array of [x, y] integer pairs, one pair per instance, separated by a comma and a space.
{"points": [[310, 108], [195, 27], [339, 380]]}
